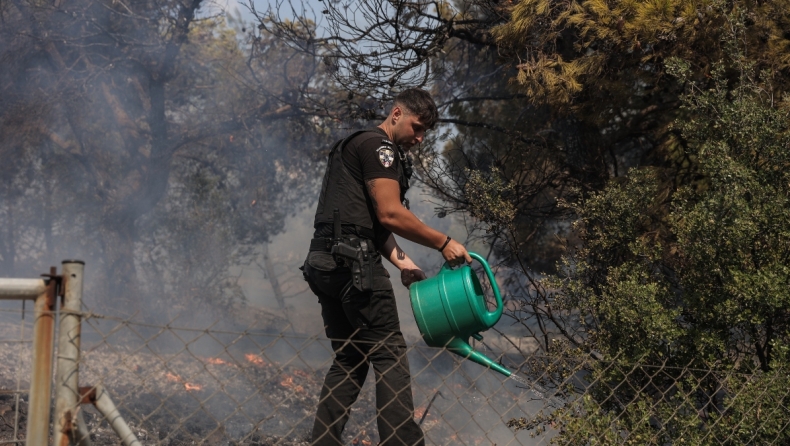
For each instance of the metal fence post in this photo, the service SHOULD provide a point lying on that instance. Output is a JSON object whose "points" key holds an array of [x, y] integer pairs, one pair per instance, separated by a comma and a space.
{"points": [[99, 397], [43, 334], [67, 397]]}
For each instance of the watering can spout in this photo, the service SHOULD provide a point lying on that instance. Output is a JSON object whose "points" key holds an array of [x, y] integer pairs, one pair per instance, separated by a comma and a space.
{"points": [[462, 348]]}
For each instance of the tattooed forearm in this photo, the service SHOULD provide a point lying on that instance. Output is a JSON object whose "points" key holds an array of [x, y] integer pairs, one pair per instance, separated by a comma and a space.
{"points": [[399, 252], [371, 193]]}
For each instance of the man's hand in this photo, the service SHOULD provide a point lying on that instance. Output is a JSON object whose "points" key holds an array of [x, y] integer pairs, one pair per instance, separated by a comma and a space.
{"points": [[455, 254], [409, 276]]}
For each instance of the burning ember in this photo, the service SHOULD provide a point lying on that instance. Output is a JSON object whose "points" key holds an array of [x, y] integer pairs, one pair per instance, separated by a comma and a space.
{"points": [[187, 385], [255, 359], [302, 374], [217, 361], [363, 442], [288, 382]]}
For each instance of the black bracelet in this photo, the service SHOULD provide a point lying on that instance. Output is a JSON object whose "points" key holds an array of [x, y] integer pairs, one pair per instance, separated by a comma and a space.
{"points": [[445, 244]]}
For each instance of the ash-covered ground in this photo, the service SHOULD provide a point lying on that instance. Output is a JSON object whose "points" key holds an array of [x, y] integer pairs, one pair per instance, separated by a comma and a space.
{"points": [[185, 387]]}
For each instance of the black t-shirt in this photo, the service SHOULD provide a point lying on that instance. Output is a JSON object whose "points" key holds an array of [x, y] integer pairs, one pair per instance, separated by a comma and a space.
{"points": [[362, 159]]}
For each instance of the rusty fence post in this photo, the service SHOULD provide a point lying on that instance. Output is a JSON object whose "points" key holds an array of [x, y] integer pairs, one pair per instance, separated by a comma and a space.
{"points": [[43, 292], [67, 397], [41, 379]]}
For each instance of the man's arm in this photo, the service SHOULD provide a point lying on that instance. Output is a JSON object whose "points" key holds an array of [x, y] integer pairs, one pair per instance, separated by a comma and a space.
{"points": [[385, 195], [409, 271], [392, 252]]}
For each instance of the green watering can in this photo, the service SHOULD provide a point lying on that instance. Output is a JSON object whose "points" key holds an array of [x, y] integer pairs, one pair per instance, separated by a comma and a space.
{"points": [[450, 307]]}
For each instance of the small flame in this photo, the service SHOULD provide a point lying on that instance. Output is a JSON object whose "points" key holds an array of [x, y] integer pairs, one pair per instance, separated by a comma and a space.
{"points": [[190, 386], [255, 359], [217, 361], [302, 374], [289, 383], [357, 441]]}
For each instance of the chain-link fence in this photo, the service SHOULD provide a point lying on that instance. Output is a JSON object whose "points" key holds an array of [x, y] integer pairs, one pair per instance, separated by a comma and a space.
{"points": [[26, 373], [16, 339], [177, 384]]}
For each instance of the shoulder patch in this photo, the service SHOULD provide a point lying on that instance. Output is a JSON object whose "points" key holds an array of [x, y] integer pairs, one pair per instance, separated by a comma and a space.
{"points": [[386, 156]]}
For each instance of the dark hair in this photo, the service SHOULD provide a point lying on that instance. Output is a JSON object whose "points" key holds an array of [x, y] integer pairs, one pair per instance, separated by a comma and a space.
{"points": [[420, 103]]}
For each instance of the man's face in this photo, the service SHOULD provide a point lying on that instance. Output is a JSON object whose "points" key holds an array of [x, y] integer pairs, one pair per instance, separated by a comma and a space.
{"points": [[408, 131]]}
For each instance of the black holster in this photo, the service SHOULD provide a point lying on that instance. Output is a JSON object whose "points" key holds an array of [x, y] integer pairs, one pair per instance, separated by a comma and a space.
{"points": [[357, 254]]}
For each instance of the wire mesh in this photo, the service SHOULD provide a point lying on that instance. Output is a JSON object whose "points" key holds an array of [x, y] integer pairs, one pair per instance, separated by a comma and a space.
{"points": [[178, 385], [16, 339]]}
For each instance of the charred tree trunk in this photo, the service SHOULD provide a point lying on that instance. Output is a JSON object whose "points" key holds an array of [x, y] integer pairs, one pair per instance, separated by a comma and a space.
{"points": [[118, 238]]}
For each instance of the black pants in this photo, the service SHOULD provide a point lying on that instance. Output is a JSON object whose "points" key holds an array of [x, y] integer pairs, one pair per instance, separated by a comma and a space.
{"points": [[364, 330]]}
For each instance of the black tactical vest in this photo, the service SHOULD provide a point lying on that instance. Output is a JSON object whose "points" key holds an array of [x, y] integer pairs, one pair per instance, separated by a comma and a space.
{"points": [[340, 190]]}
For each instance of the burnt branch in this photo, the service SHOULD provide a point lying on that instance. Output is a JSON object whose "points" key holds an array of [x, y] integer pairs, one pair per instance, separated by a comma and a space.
{"points": [[374, 46]]}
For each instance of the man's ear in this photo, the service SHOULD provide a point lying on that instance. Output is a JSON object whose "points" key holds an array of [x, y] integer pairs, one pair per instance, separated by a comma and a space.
{"points": [[396, 114]]}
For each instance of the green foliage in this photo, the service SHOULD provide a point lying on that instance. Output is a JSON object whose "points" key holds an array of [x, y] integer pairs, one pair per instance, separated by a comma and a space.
{"points": [[605, 63], [711, 254], [673, 405], [691, 278], [572, 44], [489, 198], [733, 226], [618, 271]]}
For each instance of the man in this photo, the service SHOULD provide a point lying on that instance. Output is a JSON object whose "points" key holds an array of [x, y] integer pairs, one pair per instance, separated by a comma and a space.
{"points": [[359, 209]]}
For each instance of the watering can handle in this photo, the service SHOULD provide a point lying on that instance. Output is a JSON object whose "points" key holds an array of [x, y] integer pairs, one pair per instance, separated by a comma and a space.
{"points": [[497, 313]]}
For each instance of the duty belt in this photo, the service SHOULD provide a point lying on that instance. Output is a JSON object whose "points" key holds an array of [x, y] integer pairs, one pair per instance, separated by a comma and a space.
{"points": [[325, 243], [346, 230], [356, 253]]}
